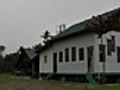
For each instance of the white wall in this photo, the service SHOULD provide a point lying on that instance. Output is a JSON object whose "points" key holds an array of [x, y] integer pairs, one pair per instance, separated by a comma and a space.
{"points": [[46, 67], [111, 61], [68, 67], [81, 66]]}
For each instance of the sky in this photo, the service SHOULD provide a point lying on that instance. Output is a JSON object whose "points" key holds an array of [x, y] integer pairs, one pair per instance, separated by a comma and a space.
{"points": [[22, 22]]}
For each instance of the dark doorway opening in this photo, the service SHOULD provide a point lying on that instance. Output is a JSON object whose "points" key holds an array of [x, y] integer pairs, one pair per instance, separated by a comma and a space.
{"points": [[90, 59], [35, 67], [54, 62]]}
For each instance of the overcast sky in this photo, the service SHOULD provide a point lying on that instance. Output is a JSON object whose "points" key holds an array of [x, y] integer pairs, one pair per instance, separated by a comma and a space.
{"points": [[23, 21]]}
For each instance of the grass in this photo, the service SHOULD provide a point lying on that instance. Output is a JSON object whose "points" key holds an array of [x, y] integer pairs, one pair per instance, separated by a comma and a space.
{"points": [[9, 82], [5, 78], [115, 87]]}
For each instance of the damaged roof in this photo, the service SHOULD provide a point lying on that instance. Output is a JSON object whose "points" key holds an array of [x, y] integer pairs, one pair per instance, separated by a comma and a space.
{"points": [[82, 26]]}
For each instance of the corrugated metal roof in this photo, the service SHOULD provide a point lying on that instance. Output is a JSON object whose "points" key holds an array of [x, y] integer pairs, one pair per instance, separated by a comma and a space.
{"points": [[72, 30], [30, 53], [81, 27]]}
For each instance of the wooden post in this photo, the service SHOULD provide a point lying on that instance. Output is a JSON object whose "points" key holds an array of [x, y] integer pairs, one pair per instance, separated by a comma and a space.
{"points": [[32, 68], [104, 67]]}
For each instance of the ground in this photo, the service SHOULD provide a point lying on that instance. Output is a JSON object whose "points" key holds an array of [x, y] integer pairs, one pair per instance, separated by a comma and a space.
{"points": [[10, 82]]}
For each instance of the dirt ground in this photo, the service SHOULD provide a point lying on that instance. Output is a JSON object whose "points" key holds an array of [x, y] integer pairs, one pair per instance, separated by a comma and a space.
{"points": [[10, 82], [25, 83]]}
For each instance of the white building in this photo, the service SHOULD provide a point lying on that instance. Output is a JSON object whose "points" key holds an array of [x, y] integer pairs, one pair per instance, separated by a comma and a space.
{"points": [[77, 50]]}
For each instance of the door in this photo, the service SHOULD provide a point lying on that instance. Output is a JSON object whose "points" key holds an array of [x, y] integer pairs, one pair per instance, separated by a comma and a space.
{"points": [[35, 67], [90, 63], [54, 62]]}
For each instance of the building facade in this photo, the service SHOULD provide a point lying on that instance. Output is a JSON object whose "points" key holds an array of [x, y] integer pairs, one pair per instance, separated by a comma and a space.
{"points": [[91, 46]]}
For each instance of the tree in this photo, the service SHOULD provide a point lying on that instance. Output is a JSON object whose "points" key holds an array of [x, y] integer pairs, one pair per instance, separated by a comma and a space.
{"points": [[2, 48], [46, 36], [37, 47], [102, 26], [9, 62]]}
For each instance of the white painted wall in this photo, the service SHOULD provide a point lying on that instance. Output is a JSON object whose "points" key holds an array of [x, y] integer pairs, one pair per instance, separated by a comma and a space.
{"points": [[111, 61], [68, 67], [79, 41], [46, 67]]}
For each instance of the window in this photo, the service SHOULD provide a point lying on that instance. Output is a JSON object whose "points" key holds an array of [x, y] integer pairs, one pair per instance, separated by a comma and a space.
{"points": [[118, 54], [113, 43], [55, 56], [73, 54], [81, 54], [102, 53], [54, 62], [109, 47], [67, 55], [60, 56], [45, 59]]}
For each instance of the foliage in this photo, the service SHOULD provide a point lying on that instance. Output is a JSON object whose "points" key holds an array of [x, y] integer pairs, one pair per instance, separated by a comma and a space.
{"points": [[4, 78], [7, 63], [37, 47], [2, 48], [46, 36]]}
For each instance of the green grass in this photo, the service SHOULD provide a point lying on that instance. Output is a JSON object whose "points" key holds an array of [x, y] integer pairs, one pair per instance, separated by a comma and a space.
{"points": [[53, 85], [8, 82], [5, 78], [115, 87]]}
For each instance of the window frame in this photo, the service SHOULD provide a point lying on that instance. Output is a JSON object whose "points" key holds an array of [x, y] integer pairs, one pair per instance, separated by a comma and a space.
{"points": [[109, 47], [113, 43], [73, 54], [67, 55], [118, 54], [102, 52], [81, 54], [60, 56], [45, 59]]}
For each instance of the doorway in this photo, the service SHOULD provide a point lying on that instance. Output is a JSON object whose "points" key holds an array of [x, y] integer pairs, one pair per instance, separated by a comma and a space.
{"points": [[54, 62], [35, 67], [90, 63]]}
